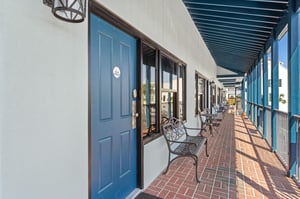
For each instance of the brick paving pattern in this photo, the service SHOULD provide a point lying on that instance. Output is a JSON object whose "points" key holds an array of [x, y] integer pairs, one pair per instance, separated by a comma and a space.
{"points": [[240, 165]]}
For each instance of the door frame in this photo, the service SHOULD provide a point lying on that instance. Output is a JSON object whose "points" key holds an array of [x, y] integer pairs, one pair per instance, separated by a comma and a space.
{"points": [[103, 13]]}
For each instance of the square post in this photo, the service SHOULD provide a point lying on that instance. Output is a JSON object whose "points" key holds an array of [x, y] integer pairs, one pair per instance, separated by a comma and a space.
{"points": [[250, 94], [255, 95], [293, 80], [265, 93], [258, 99], [243, 95]]}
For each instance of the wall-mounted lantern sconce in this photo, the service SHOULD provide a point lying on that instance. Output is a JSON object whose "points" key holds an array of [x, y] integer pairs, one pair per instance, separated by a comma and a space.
{"points": [[68, 10], [238, 85], [297, 9], [212, 83], [212, 94]]}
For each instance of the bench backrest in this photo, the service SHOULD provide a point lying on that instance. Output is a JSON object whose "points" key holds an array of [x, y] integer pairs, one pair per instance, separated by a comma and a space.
{"points": [[202, 119], [173, 130]]}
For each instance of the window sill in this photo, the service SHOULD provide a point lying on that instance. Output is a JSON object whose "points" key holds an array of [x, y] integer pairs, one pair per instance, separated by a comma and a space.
{"points": [[149, 138]]}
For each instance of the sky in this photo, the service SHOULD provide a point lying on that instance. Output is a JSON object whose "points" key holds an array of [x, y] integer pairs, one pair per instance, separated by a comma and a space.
{"points": [[283, 51]]}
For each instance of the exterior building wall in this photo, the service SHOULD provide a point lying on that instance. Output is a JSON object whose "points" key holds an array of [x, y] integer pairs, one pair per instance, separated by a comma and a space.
{"points": [[44, 104], [44, 92]]}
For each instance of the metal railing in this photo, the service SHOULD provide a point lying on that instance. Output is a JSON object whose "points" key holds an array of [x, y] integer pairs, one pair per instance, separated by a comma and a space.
{"points": [[260, 119], [298, 150], [282, 137], [268, 126], [252, 113], [282, 133]]}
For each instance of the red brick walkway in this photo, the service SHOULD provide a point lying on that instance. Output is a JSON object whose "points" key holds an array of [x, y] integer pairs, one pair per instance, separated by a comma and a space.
{"points": [[240, 165]]}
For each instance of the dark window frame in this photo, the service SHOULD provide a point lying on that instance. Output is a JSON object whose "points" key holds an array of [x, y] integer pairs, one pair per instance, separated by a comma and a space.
{"points": [[198, 105], [152, 128], [179, 65]]}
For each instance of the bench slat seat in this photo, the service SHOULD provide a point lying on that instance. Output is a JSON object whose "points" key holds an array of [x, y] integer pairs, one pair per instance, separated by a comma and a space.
{"points": [[191, 145]]}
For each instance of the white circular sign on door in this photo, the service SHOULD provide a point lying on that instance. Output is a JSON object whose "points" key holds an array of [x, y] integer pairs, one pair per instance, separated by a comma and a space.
{"points": [[116, 72]]}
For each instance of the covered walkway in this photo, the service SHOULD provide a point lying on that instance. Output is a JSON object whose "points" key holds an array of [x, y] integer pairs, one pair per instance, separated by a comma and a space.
{"points": [[240, 165]]}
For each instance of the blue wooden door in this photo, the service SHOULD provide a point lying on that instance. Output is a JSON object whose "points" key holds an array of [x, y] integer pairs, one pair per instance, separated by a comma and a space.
{"points": [[113, 135]]}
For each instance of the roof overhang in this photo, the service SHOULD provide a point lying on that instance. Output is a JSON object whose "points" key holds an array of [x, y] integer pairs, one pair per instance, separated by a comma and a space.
{"points": [[236, 31]]}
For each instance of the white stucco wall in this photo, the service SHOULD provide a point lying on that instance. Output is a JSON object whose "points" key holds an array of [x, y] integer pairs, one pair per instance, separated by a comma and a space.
{"points": [[44, 92], [43, 97]]}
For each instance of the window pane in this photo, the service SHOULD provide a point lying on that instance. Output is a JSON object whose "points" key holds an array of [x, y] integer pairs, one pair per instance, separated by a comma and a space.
{"points": [[196, 94], [181, 93], [148, 93], [168, 105], [169, 74], [200, 92]]}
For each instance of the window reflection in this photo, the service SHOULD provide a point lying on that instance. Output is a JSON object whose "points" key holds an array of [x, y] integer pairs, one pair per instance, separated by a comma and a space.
{"points": [[160, 98], [169, 74], [200, 93], [148, 92], [181, 93], [173, 91], [168, 104]]}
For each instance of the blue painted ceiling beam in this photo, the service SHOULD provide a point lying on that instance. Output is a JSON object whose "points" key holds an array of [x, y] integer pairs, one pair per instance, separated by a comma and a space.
{"points": [[227, 80], [249, 48], [242, 4], [245, 59], [231, 65], [242, 44], [228, 38], [234, 27], [230, 58], [233, 35], [260, 11], [218, 29], [236, 52], [233, 84], [237, 17], [229, 75], [235, 22], [232, 50], [220, 47]]}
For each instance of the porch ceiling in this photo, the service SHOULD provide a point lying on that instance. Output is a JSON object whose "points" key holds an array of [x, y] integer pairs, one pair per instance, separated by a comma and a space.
{"points": [[235, 31]]}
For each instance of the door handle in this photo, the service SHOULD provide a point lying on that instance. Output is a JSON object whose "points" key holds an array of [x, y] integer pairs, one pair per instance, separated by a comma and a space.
{"points": [[135, 115]]}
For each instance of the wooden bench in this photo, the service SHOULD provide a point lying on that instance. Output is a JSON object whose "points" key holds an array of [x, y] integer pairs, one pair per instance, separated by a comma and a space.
{"points": [[181, 144]]}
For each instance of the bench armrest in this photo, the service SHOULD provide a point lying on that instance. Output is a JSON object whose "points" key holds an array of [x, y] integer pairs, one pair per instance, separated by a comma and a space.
{"points": [[183, 142], [195, 129]]}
